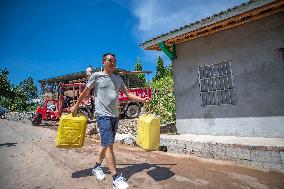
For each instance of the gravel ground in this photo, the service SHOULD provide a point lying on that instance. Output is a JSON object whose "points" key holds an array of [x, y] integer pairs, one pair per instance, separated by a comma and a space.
{"points": [[30, 160]]}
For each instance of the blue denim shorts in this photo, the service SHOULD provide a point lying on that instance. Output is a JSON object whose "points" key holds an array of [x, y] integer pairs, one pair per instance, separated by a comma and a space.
{"points": [[107, 127]]}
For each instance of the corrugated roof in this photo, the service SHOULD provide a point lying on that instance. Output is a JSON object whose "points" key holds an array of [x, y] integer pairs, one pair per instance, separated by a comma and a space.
{"points": [[229, 18], [66, 78], [131, 81]]}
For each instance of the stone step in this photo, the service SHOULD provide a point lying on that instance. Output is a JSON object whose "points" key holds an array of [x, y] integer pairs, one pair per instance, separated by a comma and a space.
{"points": [[260, 152]]}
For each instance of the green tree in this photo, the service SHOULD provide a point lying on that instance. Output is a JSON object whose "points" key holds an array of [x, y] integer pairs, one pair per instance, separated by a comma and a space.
{"points": [[16, 98], [169, 70], [28, 88], [26, 92], [5, 86], [6, 89], [163, 100], [160, 69], [138, 67]]}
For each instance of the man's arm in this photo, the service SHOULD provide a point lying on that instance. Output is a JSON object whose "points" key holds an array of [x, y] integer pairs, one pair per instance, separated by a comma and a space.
{"points": [[74, 108], [134, 97]]}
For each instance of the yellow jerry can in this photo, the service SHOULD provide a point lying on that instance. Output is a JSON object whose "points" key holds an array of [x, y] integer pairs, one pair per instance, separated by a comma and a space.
{"points": [[148, 132], [71, 131]]}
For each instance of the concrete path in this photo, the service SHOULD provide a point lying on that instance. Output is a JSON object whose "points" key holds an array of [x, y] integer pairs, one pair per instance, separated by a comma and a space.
{"points": [[253, 141], [29, 159]]}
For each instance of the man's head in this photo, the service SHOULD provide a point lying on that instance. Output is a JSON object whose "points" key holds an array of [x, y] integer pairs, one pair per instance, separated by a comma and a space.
{"points": [[109, 62]]}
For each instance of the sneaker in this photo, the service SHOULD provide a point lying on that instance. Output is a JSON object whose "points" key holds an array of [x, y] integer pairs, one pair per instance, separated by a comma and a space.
{"points": [[98, 172], [120, 183]]}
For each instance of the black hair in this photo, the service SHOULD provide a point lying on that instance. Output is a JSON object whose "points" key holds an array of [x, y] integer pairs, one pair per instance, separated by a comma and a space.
{"points": [[104, 55]]}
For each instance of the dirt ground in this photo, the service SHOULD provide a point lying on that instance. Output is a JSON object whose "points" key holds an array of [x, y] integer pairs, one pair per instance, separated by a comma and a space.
{"points": [[29, 159]]}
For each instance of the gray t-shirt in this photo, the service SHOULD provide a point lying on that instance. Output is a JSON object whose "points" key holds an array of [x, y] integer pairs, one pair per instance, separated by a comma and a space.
{"points": [[106, 93]]}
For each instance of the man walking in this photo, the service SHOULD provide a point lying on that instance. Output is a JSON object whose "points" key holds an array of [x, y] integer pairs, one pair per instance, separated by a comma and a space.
{"points": [[107, 86]]}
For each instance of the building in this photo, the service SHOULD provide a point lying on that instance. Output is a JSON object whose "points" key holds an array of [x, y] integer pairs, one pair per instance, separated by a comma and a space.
{"points": [[228, 71]]}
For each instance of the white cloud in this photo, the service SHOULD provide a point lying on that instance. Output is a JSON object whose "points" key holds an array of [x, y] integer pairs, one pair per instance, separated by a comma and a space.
{"points": [[156, 17]]}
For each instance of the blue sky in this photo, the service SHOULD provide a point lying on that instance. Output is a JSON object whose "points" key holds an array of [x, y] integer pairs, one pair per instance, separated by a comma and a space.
{"points": [[48, 38]]}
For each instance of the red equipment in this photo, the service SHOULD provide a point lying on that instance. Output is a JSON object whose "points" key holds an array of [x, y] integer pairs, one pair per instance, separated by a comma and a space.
{"points": [[51, 109], [47, 110], [132, 109], [128, 108]]}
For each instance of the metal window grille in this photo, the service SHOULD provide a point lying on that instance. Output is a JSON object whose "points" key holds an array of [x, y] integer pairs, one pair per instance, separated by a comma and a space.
{"points": [[216, 84]]}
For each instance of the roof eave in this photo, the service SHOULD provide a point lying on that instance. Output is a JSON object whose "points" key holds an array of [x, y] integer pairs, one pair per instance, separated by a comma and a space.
{"points": [[153, 44]]}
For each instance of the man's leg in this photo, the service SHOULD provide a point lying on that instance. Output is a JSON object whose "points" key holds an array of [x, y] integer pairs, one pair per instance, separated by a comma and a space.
{"points": [[97, 171], [110, 158], [101, 155], [119, 182], [104, 126], [108, 130]]}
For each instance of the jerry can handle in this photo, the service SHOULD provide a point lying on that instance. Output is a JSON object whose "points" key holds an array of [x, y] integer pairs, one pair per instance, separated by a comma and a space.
{"points": [[74, 114]]}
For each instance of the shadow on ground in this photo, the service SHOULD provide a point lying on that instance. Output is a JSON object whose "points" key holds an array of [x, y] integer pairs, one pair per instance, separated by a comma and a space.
{"points": [[158, 172], [82, 173], [8, 145]]}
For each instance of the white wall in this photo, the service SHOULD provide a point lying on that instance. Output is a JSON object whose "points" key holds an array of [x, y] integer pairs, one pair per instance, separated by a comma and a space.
{"points": [[258, 72]]}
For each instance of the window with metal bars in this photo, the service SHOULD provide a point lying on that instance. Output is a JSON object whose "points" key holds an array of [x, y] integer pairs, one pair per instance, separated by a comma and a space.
{"points": [[216, 84]]}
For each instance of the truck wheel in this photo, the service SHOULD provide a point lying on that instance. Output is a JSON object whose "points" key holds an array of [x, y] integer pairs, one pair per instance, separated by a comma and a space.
{"points": [[37, 120], [83, 112], [132, 111]]}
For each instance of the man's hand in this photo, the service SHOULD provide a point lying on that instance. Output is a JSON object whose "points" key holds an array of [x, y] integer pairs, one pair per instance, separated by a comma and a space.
{"points": [[73, 110], [146, 100]]}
